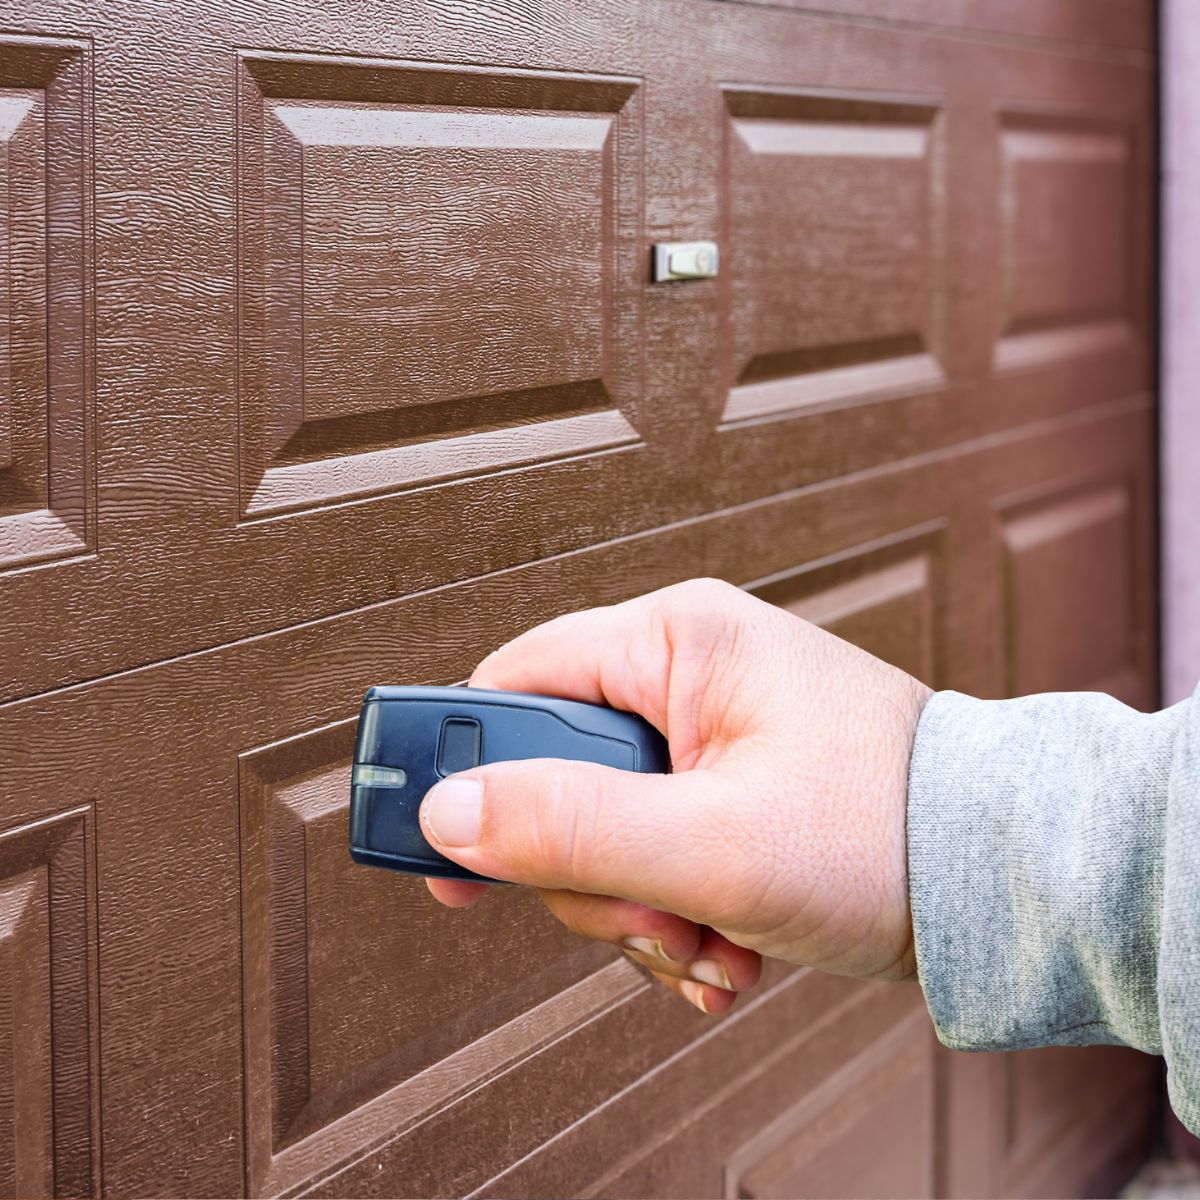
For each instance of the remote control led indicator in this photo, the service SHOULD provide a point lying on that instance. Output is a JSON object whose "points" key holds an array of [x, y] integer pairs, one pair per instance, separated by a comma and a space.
{"points": [[371, 776]]}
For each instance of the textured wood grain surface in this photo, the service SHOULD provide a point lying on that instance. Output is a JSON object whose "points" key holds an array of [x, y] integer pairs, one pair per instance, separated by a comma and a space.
{"points": [[329, 356]]}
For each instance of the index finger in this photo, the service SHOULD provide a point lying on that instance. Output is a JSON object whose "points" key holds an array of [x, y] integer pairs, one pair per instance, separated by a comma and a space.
{"points": [[619, 656]]}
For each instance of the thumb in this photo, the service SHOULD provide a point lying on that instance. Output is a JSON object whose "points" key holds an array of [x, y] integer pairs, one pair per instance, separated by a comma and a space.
{"points": [[554, 823]]}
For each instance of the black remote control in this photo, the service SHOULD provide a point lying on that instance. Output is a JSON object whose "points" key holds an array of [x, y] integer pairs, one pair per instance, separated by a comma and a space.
{"points": [[410, 737]]}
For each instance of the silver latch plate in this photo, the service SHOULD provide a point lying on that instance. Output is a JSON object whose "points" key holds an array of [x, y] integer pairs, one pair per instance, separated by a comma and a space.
{"points": [[685, 260]]}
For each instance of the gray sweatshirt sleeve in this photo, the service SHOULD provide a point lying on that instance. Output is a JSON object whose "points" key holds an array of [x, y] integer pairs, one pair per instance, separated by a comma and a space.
{"points": [[1054, 875]]}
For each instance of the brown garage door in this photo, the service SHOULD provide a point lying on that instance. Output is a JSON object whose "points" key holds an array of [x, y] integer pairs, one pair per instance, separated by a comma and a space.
{"points": [[329, 356]]}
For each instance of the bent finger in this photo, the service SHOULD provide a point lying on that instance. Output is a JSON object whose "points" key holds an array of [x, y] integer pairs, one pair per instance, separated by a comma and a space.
{"points": [[615, 655], [716, 961], [660, 936], [456, 893], [713, 1001]]}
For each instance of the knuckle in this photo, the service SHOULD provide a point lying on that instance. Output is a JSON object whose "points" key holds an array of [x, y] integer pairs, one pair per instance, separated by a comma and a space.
{"points": [[700, 610], [702, 594]]}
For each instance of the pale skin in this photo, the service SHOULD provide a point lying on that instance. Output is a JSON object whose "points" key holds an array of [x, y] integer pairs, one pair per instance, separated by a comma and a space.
{"points": [[780, 832]]}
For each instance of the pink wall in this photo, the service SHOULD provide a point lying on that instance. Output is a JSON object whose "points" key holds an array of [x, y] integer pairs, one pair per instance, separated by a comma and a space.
{"points": [[1181, 347]]}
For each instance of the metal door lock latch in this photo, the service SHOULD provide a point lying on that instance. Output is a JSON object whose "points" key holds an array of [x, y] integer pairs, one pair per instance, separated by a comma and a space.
{"points": [[685, 260]]}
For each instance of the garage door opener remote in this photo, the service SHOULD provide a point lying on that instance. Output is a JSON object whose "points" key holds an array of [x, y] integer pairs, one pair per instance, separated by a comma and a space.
{"points": [[410, 737]]}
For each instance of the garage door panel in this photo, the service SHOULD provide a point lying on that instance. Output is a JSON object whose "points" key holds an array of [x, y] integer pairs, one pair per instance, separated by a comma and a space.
{"points": [[49, 1114], [1041, 330], [558, 1063], [1043, 1081], [1073, 326], [46, 501], [884, 1097], [734, 1134], [1098, 1088], [883, 597], [834, 244], [229, 910], [218, 780], [1066, 282], [409, 310], [27, 1151], [529, 275], [211, 496], [381, 378], [458, 1118], [22, 130], [1059, 271], [337, 961], [1075, 604]]}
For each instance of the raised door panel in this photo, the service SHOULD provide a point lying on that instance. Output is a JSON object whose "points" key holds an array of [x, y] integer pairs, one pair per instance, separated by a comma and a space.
{"points": [[835, 232], [49, 1118], [883, 597], [1073, 310], [351, 1027], [825, 1060], [439, 272], [1075, 590], [1069, 245], [883, 1098], [27, 1131], [46, 508]]}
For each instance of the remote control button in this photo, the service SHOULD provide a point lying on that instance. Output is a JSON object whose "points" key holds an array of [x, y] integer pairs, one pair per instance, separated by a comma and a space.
{"points": [[459, 746]]}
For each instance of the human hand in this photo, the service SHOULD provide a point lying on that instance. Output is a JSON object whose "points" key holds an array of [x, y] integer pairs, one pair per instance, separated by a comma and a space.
{"points": [[780, 832]]}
